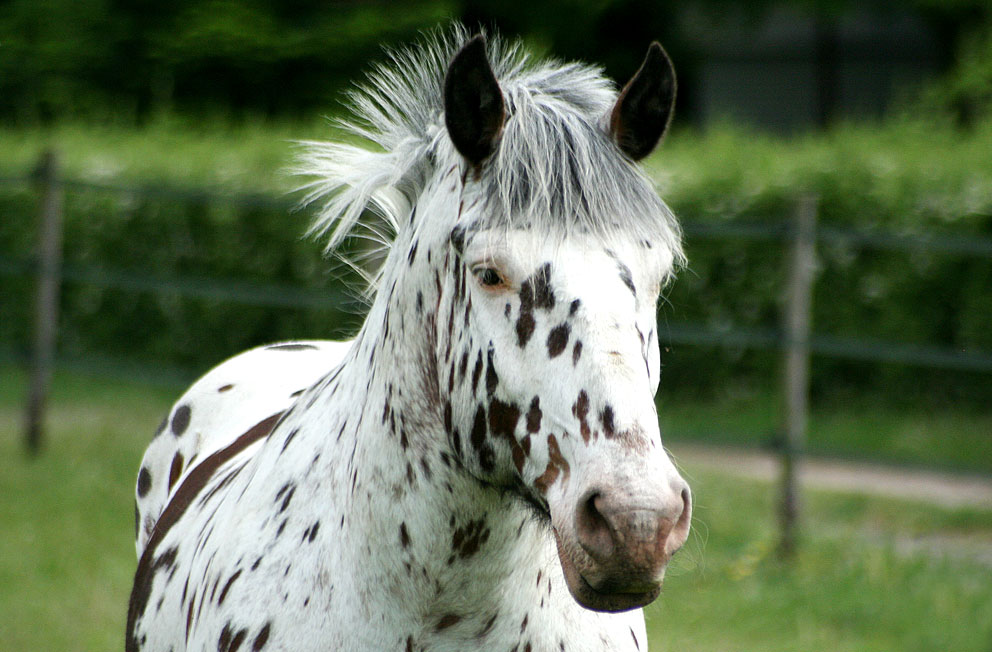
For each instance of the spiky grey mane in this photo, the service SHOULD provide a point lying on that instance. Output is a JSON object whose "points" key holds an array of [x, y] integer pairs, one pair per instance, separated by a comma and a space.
{"points": [[555, 166]]}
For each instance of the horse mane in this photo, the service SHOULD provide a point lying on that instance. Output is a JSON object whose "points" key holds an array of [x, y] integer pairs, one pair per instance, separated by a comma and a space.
{"points": [[555, 163]]}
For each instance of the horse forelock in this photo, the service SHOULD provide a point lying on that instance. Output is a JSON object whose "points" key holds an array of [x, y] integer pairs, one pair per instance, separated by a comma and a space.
{"points": [[555, 167]]}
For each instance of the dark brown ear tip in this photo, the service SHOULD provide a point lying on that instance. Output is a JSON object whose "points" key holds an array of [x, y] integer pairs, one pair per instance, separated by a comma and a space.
{"points": [[474, 49], [657, 58], [644, 107]]}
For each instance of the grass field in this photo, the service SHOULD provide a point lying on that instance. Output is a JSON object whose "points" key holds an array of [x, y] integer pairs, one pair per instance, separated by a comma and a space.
{"points": [[866, 579], [863, 428]]}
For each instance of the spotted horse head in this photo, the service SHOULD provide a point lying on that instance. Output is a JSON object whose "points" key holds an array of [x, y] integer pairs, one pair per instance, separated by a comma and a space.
{"points": [[547, 341]]}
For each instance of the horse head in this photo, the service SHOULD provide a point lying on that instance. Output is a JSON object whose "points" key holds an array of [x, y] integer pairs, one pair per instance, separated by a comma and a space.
{"points": [[547, 341]]}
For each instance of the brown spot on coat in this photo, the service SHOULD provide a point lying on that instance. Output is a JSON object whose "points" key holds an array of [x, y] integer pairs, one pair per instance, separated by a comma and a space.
{"points": [[234, 642], [626, 277], [477, 372], [534, 415], [468, 539], [176, 470], [503, 418], [557, 467], [478, 435], [227, 586], [606, 417], [525, 328], [180, 420], [262, 638], [544, 296], [580, 410], [144, 482], [189, 615], [558, 339], [447, 620], [492, 379], [488, 626]]}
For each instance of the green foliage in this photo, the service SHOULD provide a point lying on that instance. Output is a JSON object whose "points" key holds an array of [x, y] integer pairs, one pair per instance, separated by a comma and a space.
{"points": [[66, 58], [903, 177], [66, 549], [152, 235], [965, 92], [214, 153], [155, 240], [93, 58]]}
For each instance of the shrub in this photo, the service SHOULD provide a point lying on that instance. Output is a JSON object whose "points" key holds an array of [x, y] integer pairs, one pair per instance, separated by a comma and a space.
{"points": [[904, 177]]}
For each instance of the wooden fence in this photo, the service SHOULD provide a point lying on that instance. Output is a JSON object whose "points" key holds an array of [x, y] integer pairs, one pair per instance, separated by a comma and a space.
{"points": [[794, 340]]}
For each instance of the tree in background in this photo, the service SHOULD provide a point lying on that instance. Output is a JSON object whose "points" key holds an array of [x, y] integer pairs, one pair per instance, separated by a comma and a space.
{"points": [[132, 58]]}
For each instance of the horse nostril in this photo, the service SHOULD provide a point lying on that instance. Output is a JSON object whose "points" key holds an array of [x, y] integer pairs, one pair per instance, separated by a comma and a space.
{"points": [[592, 529], [680, 529], [631, 539]]}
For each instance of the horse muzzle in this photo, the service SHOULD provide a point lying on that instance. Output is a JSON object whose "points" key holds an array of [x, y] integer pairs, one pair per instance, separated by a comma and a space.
{"points": [[616, 545]]}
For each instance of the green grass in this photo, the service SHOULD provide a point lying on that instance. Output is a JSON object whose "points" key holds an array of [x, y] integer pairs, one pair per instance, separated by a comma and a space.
{"points": [[66, 541], [865, 429], [67, 556], [852, 587]]}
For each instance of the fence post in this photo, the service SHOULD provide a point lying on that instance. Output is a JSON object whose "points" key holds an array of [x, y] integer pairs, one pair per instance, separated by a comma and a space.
{"points": [[798, 306], [47, 298]]}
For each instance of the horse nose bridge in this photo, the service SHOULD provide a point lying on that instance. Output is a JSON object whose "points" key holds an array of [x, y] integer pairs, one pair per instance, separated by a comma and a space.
{"points": [[619, 353], [633, 478]]}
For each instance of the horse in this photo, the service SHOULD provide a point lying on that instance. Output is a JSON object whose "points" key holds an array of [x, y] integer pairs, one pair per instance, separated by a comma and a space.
{"points": [[481, 467]]}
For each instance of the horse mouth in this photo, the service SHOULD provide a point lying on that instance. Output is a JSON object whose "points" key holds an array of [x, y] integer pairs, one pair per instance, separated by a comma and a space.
{"points": [[615, 598]]}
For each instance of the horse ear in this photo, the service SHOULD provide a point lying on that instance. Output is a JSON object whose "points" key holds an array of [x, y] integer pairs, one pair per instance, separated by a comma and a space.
{"points": [[644, 108], [473, 102]]}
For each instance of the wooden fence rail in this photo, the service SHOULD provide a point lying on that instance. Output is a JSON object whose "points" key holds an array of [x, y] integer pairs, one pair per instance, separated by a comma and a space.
{"points": [[795, 340]]}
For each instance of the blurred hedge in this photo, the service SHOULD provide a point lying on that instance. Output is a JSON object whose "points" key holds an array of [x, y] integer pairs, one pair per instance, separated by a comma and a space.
{"points": [[906, 177], [152, 241]]}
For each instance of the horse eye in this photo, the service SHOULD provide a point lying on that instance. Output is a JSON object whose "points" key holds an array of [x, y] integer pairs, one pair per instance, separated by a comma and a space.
{"points": [[489, 277]]}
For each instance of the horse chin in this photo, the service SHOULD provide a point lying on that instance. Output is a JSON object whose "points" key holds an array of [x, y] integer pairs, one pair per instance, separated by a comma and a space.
{"points": [[600, 600]]}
